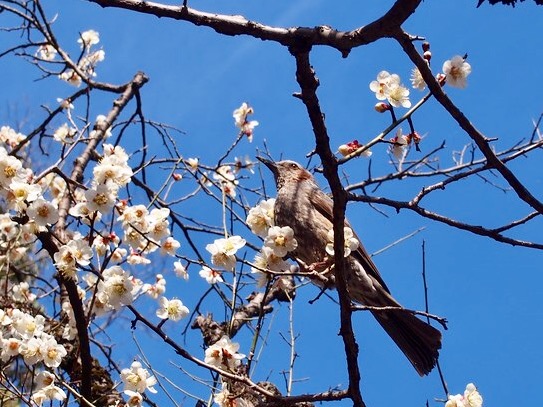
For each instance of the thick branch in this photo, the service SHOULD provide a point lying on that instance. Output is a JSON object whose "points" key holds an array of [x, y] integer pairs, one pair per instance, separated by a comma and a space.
{"points": [[308, 82], [343, 41]]}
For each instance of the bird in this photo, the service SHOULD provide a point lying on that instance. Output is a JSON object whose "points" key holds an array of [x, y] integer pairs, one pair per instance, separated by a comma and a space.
{"points": [[302, 205]]}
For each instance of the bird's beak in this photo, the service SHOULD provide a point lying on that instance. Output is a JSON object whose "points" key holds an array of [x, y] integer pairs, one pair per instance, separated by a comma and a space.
{"points": [[270, 164]]}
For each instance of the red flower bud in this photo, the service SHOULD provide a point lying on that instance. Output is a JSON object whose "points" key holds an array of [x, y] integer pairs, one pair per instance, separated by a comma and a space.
{"points": [[382, 107]]}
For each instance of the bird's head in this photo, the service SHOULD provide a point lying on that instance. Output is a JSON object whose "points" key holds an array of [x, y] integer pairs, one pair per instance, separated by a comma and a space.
{"points": [[286, 172]]}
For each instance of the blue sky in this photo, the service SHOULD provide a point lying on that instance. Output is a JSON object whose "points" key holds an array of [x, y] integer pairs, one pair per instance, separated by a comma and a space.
{"points": [[489, 292]]}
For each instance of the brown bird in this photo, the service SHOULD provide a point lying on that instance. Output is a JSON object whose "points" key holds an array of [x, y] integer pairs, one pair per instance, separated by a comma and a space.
{"points": [[302, 205]]}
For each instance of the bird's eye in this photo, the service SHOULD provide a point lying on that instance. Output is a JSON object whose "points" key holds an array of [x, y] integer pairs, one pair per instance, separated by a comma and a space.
{"points": [[293, 165]]}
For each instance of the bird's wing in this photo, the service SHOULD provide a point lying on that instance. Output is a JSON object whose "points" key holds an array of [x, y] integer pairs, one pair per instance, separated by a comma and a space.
{"points": [[324, 205]]}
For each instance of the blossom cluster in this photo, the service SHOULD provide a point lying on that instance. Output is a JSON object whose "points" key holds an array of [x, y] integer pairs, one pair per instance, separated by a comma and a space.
{"points": [[224, 354], [470, 398], [86, 64], [24, 335], [46, 389], [387, 87], [23, 196], [278, 242], [245, 125], [21, 193], [400, 143], [137, 380], [226, 177]]}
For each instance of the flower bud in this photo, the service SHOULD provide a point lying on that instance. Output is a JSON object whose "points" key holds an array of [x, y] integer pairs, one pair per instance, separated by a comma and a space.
{"points": [[382, 107], [346, 149], [415, 137], [427, 55], [176, 176], [425, 46]]}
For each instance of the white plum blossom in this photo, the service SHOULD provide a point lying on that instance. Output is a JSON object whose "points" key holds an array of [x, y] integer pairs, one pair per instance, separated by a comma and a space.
{"points": [[46, 52], [171, 309], [101, 121], [21, 292], [169, 246], [42, 212], [81, 210], [21, 192], [223, 251], [135, 258], [261, 217], [227, 179], [10, 137], [384, 82], [10, 347], [8, 227], [75, 252], [63, 133], [101, 198], [399, 145], [470, 398], [180, 270], [210, 275], [157, 289], [456, 71], [101, 244], [134, 238], [350, 242], [118, 254], [65, 104], [281, 240], [26, 325], [267, 260], [10, 168], [192, 164], [240, 117], [4, 318], [70, 76], [88, 64], [80, 249], [55, 185], [224, 398], [387, 86], [399, 96], [89, 38], [416, 79], [70, 329], [224, 354], [134, 215], [243, 163], [113, 168], [65, 262], [158, 224], [46, 389], [138, 379], [117, 287], [31, 350], [52, 352], [135, 399]]}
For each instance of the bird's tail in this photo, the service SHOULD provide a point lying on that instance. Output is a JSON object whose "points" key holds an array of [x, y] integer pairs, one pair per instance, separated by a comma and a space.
{"points": [[419, 341]]}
